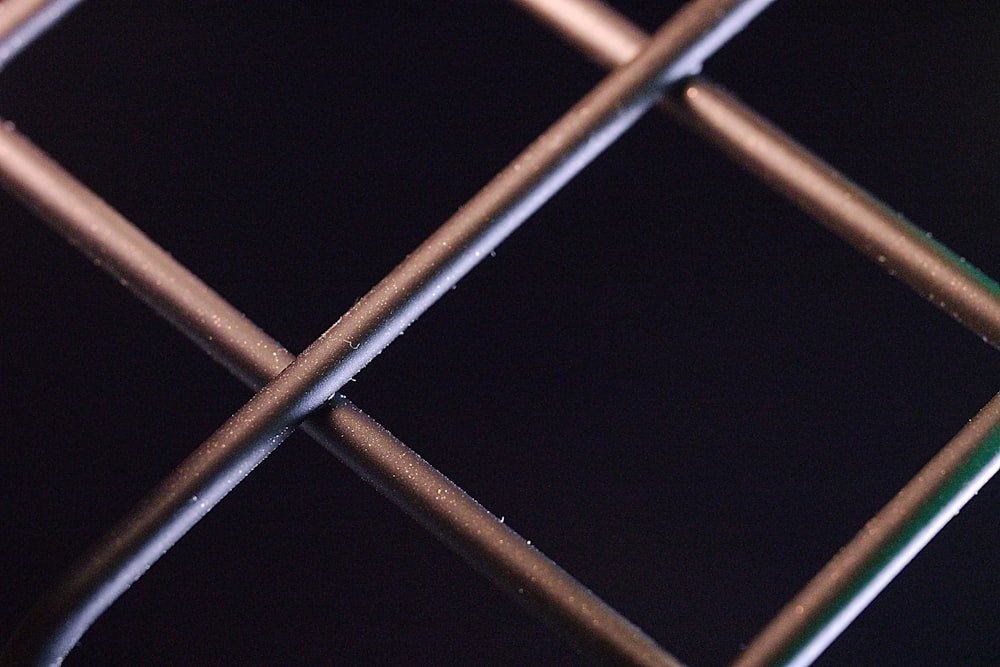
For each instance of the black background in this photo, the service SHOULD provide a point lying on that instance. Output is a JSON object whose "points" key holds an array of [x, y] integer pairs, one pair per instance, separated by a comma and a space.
{"points": [[673, 382]]}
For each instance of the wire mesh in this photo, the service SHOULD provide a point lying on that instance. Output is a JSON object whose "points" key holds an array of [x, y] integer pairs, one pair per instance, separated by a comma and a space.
{"points": [[586, 419]]}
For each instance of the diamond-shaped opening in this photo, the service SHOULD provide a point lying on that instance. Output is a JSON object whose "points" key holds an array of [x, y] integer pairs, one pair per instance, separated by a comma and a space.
{"points": [[675, 384]]}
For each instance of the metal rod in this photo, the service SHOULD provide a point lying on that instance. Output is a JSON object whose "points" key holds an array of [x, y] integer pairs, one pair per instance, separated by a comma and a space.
{"points": [[149, 272], [901, 248], [894, 243], [153, 275], [808, 624], [489, 545], [22, 21], [887, 543], [223, 460]]}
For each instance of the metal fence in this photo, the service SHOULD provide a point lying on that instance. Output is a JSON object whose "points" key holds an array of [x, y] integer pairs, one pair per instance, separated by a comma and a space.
{"points": [[624, 309]]}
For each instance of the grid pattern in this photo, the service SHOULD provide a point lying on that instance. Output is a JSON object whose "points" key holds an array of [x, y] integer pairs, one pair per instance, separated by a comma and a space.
{"points": [[977, 309]]}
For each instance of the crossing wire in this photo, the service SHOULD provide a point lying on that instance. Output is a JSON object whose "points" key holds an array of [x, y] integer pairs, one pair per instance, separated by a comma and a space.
{"points": [[61, 617], [890, 540], [842, 589], [352, 436]]}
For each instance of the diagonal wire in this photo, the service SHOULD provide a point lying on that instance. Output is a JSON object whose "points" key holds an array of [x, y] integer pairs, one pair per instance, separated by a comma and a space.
{"points": [[314, 377], [840, 591], [873, 228], [22, 21], [782, 159], [897, 245], [398, 472], [890, 540]]}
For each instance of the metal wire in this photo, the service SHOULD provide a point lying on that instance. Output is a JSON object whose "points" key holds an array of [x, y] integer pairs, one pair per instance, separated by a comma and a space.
{"points": [[21, 21], [889, 541], [843, 588], [873, 228], [222, 461], [398, 472]]}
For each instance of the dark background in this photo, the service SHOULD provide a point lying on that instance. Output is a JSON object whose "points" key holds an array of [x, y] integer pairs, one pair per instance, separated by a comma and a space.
{"points": [[673, 382]]}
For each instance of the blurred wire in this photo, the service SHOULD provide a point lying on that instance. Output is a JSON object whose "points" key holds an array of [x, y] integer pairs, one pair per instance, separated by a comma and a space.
{"points": [[22, 21]]}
